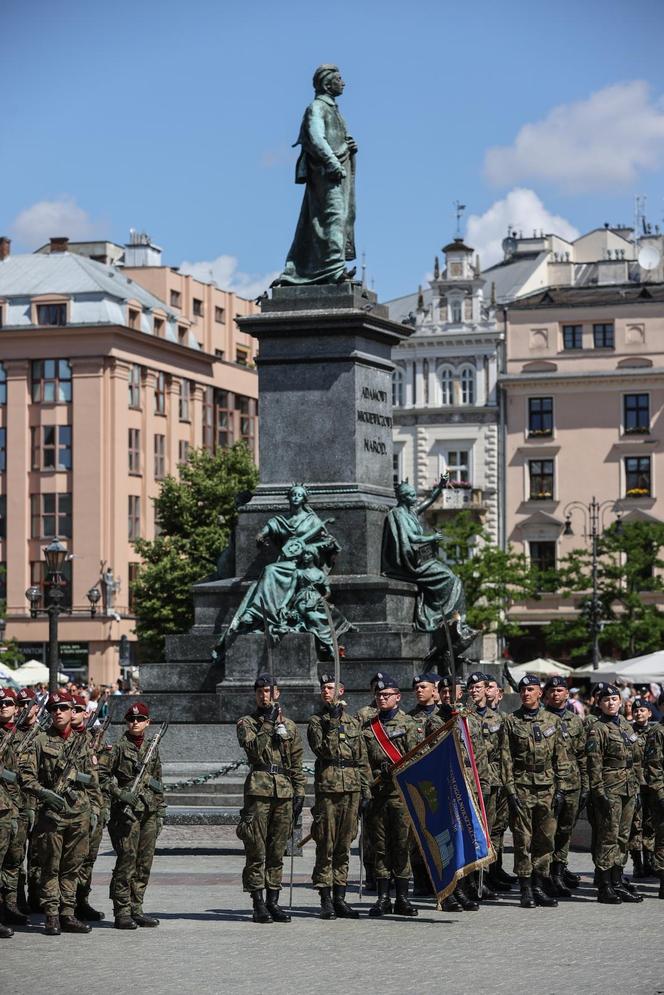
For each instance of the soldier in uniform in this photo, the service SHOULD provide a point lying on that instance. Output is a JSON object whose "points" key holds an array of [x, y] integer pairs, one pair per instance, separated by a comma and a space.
{"points": [[641, 837], [497, 874], [342, 785], [61, 772], [135, 821], [9, 797], [367, 712], [273, 797], [364, 715], [573, 782], [531, 762], [84, 911], [425, 687], [653, 761], [29, 866], [388, 736], [610, 748]]}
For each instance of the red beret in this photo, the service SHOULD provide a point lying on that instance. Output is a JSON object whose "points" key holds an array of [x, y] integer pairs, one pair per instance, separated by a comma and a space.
{"points": [[138, 709], [80, 699], [25, 695], [7, 694], [59, 698]]}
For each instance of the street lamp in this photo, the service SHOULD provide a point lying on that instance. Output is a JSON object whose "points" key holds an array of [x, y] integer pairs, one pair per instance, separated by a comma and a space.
{"points": [[593, 518], [93, 596]]}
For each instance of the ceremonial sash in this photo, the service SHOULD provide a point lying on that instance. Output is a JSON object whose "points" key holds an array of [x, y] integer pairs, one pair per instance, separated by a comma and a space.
{"points": [[383, 740]]}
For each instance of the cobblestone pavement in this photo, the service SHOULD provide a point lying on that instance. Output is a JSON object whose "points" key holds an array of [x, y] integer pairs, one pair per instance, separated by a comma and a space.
{"points": [[207, 943]]}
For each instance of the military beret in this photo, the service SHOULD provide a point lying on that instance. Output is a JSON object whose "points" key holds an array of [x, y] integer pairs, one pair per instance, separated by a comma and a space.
{"points": [[265, 681], [529, 679], [640, 703], [555, 682], [607, 691], [476, 678], [26, 695], [444, 682], [140, 708], [58, 698], [596, 688], [376, 677], [425, 678], [80, 700], [386, 682], [8, 694], [327, 679]]}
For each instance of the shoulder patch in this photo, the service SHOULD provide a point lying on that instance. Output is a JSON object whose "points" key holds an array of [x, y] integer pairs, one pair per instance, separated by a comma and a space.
{"points": [[591, 746]]}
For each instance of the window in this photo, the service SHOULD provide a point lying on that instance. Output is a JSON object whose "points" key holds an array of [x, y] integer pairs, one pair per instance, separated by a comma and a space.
{"points": [[455, 309], [3, 516], [543, 562], [396, 466], [197, 307], [446, 386], [135, 386], [185, 400], [159, 457], [637, 476], [132, 577], [208, 418], [540, 416], [636, 413], [3, 450], [50, 515], [176, 298], [3, 581], [603, 337], [246, 407], [160, 394], [458, 464], [51, 314], [183, 450], [219, 315], [134, 519], [159, 327], [467, 385], [572, 336], [425, 378], [3, 384], [134, 320], [51, 381], [242, 356], [134, 450], [224, 414], [38, 579], [541, 479], [398, 388], [51, 447]]}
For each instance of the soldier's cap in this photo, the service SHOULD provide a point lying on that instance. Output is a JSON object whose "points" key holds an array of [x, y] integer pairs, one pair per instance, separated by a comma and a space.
{"points": [[327, 679], [80, 700], [26, 695], [596, 688], [140, 708], [8, 694], [555, 682], [425, 679], [607, 691], [376, 677], [58, 698], [386, 682], [265, 681], [529, 679], [444, 683], [475, 678], [640, 703]]}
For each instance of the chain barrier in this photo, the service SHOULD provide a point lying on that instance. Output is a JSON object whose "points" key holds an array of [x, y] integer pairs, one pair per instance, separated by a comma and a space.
{"points": [[226, 769]]}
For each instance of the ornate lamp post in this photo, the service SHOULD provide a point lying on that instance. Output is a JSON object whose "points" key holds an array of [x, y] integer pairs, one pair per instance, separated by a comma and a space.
{"points": [[593, 526]]}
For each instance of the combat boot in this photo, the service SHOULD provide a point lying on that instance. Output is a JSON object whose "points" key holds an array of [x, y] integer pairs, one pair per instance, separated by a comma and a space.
{"points": [[501, 873], [11, 915], [571, 880], [527, 901], [625, 891], [649, 864], [52, 926], [637, 864], [495, 881], [145, 922], [70, 924], [540, 882], [84, 910], [6, 932], [341, 906], [450, 904], [421, 880], [402, 906], [464, 898], [261, 913], [124, 922], [382, 905], [605, 893], [560, 889], [272, 905], [326, 906]]}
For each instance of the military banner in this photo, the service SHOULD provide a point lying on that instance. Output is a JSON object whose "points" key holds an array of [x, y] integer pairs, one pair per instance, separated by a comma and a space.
{"points": [[440, 788]]}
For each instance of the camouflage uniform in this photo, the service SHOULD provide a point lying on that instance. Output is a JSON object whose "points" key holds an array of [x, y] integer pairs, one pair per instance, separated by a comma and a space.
{"points": [[641, 835], [12, 866], [61, 839], [530, 761], [275, 778], [654, 771], [10, 805], [365, 715], [610, 748], [573, 778], [342, 778], [490, 721], [104, 757], [134, 836]]}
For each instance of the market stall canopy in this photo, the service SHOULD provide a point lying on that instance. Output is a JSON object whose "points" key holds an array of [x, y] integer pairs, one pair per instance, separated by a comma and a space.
{"points": [[642, 669], [607, 670], [34, 672]]}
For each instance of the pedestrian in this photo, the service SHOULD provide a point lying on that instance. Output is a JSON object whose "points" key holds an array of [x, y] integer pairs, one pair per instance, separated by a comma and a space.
{"points": [[641, 837], [654, 771], [80, 717]]}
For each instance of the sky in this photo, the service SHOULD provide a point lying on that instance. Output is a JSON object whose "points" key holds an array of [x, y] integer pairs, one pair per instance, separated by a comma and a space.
{"points": [[178, 119]]}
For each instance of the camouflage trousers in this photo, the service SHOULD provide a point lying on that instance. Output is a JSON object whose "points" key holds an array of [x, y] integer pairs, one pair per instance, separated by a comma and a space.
{"points": [[388, 826], [333, 829], [264, 829], [12, 865], [134, 843], [6, 835], [533, 831], [85, 880], [612, 832], [658, 825], [642, 833], [500, 819], [62, 844], [565, 825]]}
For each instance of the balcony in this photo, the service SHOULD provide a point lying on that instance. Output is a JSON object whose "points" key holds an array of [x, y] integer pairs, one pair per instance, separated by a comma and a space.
{"points": [[457, 498]]}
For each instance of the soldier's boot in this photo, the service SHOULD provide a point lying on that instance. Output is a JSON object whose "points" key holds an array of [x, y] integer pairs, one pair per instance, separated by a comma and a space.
{"points": [[402, 905], [527, 901], [571, 880], [272, 905], [5, 932], [382, 906], [495, 881], [84, 910], [145, 922], [450, 904], [605, 893], [70, 924], [464, 898], [326, 906], [10, 914], [649, 864], [661, 886], [341, 906], [124, 922], [21, 899], [486, 892], [624, 889], [637, 864], [52, 926], [34, 901], [539, 885], [560, 888], [421, 880], [261, 913], [502, 874]]}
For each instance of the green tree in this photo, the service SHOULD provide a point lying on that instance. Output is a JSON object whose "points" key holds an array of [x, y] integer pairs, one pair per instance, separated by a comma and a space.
{"points": [[196, 513]]}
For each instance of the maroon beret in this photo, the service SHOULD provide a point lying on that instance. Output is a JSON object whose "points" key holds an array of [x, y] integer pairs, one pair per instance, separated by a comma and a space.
{"points": [[7, 694], [80, 699], [26, 695], [58, 698], [140, 708]]}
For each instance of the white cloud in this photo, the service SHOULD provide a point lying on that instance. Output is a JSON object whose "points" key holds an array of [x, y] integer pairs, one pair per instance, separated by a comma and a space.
{"points": [[47, 218], [606, 140], [225, 273], [520, 209]]}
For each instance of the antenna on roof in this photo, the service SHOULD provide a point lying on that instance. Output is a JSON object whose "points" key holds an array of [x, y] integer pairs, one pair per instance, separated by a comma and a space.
{"points": [[459, 208]]}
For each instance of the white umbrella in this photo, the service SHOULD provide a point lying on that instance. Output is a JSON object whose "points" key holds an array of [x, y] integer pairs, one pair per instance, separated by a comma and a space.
{"points": [[545, 667], [607, 670], [642, 669]]}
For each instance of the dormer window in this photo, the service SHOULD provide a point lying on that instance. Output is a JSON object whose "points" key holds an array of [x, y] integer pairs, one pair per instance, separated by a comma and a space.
{"points": [[51, 314], [134, 318], [455, 310]]}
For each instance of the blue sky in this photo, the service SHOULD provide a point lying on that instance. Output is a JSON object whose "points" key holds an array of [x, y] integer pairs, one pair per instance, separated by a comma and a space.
{"points": [[178, 119]]}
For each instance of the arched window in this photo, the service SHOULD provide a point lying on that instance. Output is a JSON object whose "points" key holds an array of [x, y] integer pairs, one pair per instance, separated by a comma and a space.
{"points": [[456, 311], [467, 385], [446, 385], [398, 388]]}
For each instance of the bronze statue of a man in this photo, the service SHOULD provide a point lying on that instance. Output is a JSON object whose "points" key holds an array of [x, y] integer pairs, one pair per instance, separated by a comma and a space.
{"points": [[325, 235]]}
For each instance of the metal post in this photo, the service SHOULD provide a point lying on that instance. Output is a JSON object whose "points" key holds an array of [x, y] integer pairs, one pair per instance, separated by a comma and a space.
{"points": [[594, 620], [53, 613]]}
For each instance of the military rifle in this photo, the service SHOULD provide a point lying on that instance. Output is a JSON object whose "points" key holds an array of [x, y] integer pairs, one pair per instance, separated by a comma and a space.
{"points": [[137, 783], [5, 747], [42, 724]]}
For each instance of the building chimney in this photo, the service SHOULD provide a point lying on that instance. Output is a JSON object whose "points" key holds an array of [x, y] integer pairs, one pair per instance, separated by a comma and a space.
{"points": [[5, 247], [59, 245]]}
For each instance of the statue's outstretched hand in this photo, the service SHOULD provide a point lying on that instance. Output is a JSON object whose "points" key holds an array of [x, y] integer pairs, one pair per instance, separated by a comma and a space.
{"points": [[444, 480]]}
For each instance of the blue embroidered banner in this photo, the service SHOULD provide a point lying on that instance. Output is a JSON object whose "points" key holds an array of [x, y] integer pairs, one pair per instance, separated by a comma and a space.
{"points": [[438, 789]]}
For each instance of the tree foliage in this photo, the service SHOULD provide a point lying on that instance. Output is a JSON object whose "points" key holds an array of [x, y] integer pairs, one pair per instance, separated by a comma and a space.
{"points": [[196, 512]]}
